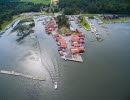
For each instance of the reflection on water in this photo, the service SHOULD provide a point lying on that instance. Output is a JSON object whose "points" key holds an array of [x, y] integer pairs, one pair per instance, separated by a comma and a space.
{"points": [[104, 74]]}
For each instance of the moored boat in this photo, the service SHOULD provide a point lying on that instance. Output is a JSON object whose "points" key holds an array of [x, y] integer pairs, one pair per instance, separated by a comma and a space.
{"points": [[55, 85]]}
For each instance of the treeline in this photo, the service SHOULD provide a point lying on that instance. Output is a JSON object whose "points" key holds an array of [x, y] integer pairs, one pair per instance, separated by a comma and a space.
{"points": [[95, 6], [9, 8]]}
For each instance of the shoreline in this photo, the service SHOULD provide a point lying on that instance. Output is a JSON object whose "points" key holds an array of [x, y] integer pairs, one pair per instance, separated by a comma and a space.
{"points": [[84, 15]]}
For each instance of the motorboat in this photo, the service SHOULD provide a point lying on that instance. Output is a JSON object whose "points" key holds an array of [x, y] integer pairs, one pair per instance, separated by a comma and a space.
{"points": [[55, 85]]}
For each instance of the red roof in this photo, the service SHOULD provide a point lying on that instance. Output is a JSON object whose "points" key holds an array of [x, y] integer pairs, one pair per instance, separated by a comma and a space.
{"points": [[68, 33], [63, 45], [58, 38], [82, 41], [51, 25], [79, 20], [75, 39], [75, 35], [56, 35], [76, 45], [77, 50], [82, 35], [81, 50], [74, 50], [61, 41], [78, 30], [82, 45]]}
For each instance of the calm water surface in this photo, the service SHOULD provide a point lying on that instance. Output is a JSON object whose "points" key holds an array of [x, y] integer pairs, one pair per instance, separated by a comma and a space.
{"points": [[104, 74]]}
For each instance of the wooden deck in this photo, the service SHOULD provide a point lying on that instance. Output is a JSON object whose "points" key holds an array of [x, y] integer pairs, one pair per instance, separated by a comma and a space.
{"points": [[76, 58]]}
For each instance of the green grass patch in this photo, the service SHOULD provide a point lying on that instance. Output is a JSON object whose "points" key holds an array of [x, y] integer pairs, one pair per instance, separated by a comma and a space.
{"points": [[26, 20], [61, 12], [85, 24], [89, 15], [6, 23], [63, 30], [99, 39], [38, 1], [104, 27], [114, 20]]}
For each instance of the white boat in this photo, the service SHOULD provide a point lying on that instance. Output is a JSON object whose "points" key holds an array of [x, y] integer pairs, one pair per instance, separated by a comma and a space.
{"points": [[55, 85]]}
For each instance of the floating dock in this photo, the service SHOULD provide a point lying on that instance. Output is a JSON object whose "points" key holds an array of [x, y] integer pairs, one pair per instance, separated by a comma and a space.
{"points": [[22, 75], [76, 58]]}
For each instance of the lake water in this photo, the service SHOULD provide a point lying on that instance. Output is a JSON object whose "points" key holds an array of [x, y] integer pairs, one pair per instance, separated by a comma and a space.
{"points": [[104, 74]]}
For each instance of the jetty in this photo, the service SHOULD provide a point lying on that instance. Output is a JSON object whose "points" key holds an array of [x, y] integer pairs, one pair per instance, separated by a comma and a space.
{"points": [[76, 57], [92, 26], [98, 20], [22, 75]]}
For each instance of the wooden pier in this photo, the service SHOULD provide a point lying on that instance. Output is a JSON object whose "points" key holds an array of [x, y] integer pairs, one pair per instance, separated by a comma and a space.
{"points": [[22, 75], [76, 58]]}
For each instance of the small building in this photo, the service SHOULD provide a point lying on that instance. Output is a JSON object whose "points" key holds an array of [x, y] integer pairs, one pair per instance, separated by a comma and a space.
{"points": [[56, 35], [61, 53], [74, 50], [63, 46], [75, 39], [81, 35], [75, 35], [76, 45], [77, 50], [68, 33], [81, 41], [61, 41], [81, 50], [79, 20], [78, 30], [58, 38], [72, 29]]}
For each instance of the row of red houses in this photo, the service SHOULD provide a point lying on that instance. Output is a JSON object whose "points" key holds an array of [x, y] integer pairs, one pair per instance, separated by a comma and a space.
{"points": [[62, 42], [50, 26], [77, 42]]}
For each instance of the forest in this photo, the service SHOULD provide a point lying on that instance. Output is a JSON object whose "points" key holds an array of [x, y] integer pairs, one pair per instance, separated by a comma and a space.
{"points": [[9, 8], [95, 6]]}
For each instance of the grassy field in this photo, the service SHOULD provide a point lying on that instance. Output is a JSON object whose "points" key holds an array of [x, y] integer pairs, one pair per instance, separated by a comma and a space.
{"points": [[6, 23], [115, 20], [104, 20], [89, 15], [26, 20], [85, 24], [63, 30], [38, 1]]}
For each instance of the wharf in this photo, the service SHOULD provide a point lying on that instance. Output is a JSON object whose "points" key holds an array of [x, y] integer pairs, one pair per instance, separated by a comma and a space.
{"points": [[22, 75], [72, 57]]}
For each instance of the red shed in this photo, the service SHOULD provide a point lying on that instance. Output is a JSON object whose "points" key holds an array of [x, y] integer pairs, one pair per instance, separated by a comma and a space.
{"points": [[78, 30], [81, 50], [63, 46], [68, 33], [81, 41], [75, 39], [61, 41], [56, 35]]}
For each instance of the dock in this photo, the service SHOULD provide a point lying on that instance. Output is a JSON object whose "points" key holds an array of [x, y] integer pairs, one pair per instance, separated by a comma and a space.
{"points": [[22, 75], [98, 20], [76, 58]]}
